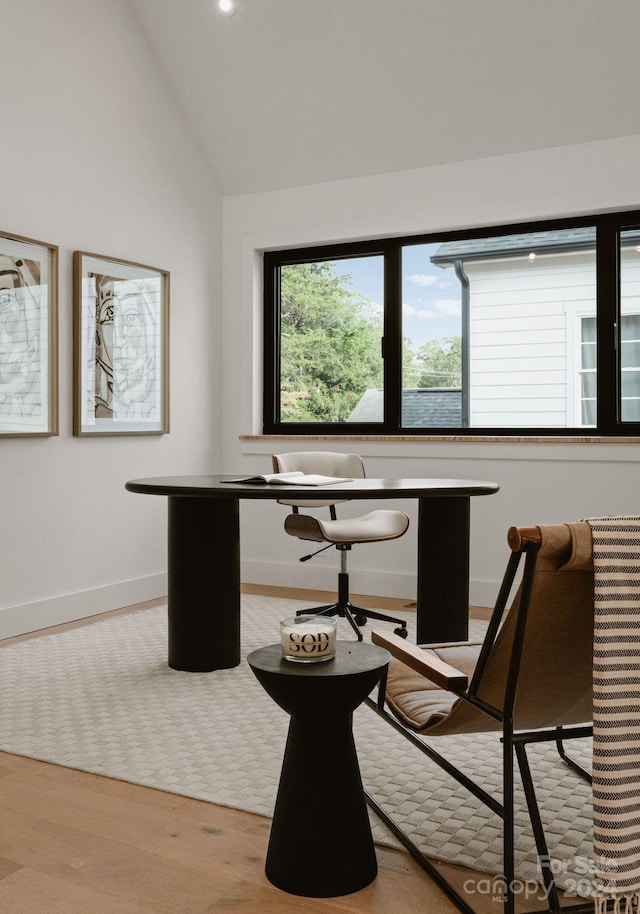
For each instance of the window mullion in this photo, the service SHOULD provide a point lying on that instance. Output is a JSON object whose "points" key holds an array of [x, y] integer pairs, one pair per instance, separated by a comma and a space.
{"points": [[607, 309], [392, 337], [271, 345]]}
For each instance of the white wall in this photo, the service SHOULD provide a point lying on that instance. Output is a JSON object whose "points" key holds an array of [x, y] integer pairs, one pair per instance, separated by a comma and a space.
{"points": [[96, 157], [540, 483]]}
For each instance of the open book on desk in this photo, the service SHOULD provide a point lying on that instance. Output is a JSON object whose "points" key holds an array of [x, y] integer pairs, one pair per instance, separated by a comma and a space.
{"points": [[295, 478]]}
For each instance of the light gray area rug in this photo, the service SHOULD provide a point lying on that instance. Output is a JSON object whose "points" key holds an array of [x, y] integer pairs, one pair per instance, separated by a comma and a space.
{"points": [[101, 698]]}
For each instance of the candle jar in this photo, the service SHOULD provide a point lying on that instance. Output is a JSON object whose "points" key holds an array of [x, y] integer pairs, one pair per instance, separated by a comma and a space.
{"points": [[308, 639]]}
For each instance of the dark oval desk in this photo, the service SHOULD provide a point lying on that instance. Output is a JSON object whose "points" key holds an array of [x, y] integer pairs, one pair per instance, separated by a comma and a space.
{"points": [[320, 843], [204, 556]]}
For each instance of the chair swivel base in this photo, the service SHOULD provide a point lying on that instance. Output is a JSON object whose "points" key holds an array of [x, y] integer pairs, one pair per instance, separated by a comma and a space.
{"points": [[355, 615]]}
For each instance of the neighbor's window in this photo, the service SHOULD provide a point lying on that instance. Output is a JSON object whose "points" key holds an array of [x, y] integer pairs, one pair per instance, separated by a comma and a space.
{"points": [[588, 390], [629, 345], [630, 367], [462, 333]]}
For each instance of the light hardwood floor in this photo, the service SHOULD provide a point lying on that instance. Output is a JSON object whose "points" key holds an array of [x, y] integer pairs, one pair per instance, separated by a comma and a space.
{"points": [[77, 843]]}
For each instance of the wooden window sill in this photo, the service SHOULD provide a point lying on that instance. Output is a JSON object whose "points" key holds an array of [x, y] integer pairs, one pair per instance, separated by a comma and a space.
{"points": [[450, 439]]}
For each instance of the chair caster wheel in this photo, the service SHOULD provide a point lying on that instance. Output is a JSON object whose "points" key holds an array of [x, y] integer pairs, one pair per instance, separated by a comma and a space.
{"points": [[360, 620], [401, 632]]}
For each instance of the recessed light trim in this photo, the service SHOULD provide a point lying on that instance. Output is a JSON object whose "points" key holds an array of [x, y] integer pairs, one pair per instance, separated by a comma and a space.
{"points": [[226, 7]]}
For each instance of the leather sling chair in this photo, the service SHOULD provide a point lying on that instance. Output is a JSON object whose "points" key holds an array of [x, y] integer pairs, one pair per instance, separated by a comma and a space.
{"points": [[529, 679], [374, 527]]}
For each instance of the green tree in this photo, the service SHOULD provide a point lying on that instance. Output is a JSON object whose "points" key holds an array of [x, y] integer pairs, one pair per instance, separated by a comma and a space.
{"points": [[411, 367], [329, 344], [440, 363]]}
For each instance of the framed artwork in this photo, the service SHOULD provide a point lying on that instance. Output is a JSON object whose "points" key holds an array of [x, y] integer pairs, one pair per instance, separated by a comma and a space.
{"points": [[28, 337], [121, 347]]}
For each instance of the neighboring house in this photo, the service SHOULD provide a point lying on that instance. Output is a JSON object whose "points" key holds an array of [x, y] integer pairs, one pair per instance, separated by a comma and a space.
{"points": [[529, 328], [424, 407]]}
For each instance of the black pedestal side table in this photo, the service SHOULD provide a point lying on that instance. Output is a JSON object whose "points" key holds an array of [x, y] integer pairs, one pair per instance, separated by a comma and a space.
{"points": [[321, 844]]}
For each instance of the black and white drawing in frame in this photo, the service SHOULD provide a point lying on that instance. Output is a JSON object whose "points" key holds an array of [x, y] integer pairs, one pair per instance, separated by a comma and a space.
{"points": [[28, 337], [121, 345]]}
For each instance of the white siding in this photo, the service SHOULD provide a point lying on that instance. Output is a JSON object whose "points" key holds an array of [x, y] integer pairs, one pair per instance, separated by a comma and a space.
{"points": [[520, 337]]}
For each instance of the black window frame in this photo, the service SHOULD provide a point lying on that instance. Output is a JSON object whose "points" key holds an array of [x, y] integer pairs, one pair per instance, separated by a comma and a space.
{"points": [[609, 227]]}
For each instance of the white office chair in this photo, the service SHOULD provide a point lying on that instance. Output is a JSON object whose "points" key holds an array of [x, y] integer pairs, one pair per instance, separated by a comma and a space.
{"points": [[373, 527]]}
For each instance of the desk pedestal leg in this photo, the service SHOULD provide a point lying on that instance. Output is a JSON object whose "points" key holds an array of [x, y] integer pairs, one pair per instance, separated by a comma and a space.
{"points": [[204, 584], [443, 570], [321, 844]]}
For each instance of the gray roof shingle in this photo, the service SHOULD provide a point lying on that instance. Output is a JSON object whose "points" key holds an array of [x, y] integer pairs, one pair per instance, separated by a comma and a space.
{"points": [[423, 407], [515, 245]]}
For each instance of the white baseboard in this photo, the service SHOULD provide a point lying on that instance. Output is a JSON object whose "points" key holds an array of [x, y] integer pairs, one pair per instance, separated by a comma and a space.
{"points": [[30, 617], [324, 577]]}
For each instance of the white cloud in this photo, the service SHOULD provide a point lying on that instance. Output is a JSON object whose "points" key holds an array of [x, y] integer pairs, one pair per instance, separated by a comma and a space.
{"points": [[422, 279], [442, 307], [421, 314], [448, 306]]}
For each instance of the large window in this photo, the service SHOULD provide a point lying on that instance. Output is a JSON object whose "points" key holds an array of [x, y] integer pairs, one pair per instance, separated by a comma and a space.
{"points": [[531, 329]]}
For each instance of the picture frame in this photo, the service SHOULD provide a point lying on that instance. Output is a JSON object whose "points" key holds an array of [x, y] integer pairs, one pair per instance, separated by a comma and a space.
{"points": [[121, 347], [28, 337]]}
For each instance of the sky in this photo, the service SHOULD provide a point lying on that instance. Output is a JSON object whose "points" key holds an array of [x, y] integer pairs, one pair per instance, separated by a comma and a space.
{"points": [[430, 294]]}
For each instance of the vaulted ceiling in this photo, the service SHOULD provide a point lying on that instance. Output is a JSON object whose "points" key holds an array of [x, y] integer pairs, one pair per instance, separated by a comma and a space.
{"points": [[291, 92]]}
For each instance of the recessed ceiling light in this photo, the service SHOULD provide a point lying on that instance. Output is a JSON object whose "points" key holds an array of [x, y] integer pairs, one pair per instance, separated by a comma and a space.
{"points": [[532, 256], [226, 7]]}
